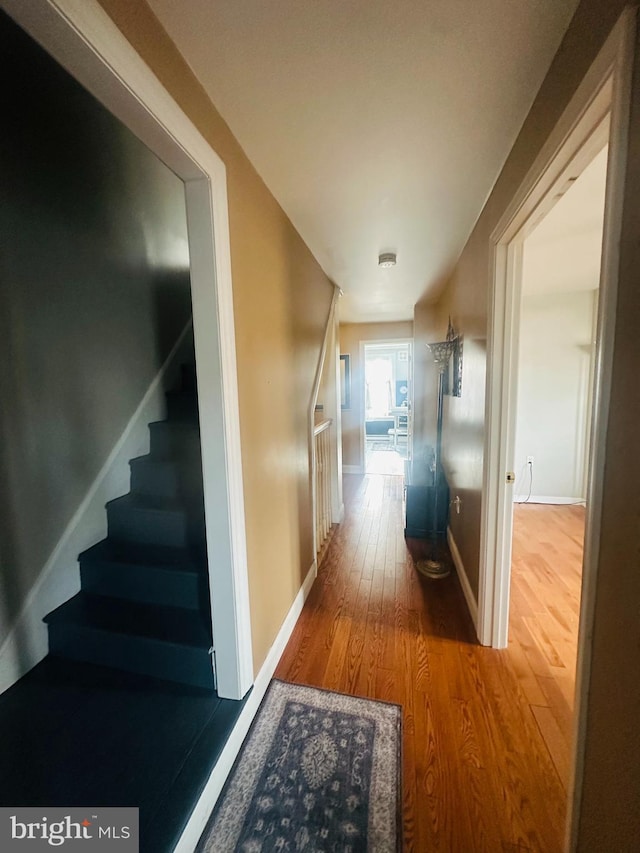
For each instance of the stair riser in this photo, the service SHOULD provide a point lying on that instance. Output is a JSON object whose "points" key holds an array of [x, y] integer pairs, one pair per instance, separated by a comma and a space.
{"points": [[182, 408], [158, 479], [168, 661], [188, 377], [167, 442], [165, 479], [148, 527], [144, 584]]}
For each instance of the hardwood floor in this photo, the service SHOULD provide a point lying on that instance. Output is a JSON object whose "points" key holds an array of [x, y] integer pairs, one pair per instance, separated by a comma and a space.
{"points": [[478, 723], [546, 575], [380, 457]]}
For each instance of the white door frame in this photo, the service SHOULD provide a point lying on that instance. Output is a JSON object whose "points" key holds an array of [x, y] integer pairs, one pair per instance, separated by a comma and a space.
{"points": [[84, 40], [581, 132]]}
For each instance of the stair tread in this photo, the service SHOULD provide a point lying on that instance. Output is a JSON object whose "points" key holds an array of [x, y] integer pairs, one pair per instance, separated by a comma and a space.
{"points": [[134, 554], [182, 393], [187, 426], [148, 459], [151, 503], [173, 625]]}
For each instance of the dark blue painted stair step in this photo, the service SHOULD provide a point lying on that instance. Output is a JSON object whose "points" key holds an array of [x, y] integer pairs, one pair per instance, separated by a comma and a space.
{"points": [[162, 642], [175, 440], [188, 377], [148, 521], [182, 405], [164, 478], [146, 574], [163, 624]]}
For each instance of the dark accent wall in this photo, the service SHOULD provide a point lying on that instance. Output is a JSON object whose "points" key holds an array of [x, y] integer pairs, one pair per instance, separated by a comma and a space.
{"points": [[94, 291], [281, 304]]}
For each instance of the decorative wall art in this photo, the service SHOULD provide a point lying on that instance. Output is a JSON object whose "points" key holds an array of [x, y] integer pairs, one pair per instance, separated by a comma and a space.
{"points": [[454, 378]]}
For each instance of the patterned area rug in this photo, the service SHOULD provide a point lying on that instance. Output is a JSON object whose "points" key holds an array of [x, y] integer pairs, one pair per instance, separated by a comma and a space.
{"points": [[319, 772]]}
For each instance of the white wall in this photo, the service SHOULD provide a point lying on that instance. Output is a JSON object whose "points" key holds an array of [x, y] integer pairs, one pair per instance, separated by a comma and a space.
{"points": [[554, 394]]}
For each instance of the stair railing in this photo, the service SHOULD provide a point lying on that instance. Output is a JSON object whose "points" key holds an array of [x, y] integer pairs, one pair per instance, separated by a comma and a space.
{"points": [[323, 474]]}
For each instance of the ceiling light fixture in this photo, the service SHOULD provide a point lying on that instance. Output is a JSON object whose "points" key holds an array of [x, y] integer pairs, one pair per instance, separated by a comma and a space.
{"points": [[387, 259]]}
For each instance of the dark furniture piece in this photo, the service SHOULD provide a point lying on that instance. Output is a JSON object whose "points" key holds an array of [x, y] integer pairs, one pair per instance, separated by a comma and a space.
{"points": [[420, 496]]}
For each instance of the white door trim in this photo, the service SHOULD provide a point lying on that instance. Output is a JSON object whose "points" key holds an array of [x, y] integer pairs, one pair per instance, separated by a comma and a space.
{"points": [[580, 132], [83, 39]]}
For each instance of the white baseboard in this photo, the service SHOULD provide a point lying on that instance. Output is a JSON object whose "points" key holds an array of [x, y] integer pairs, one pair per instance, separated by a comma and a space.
{"points": [[352, 469], [28, 641], [203, 808], [548, 499], [472, 604]]}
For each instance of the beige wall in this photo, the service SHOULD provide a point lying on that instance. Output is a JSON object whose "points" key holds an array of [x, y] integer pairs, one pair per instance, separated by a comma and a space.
{"points": [[554, 394], [464, 295], [611, 794], [351, 334], [281, 303]]}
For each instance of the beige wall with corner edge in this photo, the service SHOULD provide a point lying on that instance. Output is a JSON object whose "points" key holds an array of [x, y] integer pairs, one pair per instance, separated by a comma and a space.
{"points": [[555, 383], [609, 798], [281, 302], [351, 336]]}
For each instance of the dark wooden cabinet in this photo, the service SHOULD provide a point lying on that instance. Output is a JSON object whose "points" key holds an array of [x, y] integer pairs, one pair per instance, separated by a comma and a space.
{"points": [[419, 501]]}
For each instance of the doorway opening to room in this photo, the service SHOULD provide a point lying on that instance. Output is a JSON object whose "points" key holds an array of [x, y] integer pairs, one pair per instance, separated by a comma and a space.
{"points": [[387, 426], [560, 279], [597, 116]]}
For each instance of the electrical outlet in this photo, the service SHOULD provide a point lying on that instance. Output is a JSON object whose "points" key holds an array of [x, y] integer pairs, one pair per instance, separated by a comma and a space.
{"points": [[529, 460]]}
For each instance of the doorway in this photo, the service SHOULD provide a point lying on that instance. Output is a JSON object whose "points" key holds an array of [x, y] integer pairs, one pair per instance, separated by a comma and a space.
{"points": [[582, 132], [599, 110], [561, 262], [85, 41], [387, 406]]}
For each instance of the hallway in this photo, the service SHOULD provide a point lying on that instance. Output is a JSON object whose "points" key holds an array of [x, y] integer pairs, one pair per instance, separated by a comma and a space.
{"points": [[477, 774]]}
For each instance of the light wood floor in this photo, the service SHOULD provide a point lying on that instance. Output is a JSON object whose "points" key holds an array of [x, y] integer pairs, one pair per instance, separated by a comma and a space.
{"points": [[380, 457], [478, 774], [546, 575]]}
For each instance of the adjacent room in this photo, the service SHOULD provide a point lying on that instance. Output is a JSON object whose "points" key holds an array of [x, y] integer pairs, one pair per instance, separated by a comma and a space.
{"points": [[387, 408], [560, 281]]}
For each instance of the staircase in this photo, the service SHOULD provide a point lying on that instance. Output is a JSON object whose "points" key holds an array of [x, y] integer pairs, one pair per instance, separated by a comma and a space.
{"points": [[144, 600]]}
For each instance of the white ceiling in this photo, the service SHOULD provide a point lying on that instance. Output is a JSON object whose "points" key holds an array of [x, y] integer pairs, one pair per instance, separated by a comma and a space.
{"points": [[378, 125], [563, 253]]}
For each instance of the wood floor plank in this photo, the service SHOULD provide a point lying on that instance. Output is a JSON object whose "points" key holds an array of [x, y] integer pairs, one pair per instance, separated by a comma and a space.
{"points": [[336, 660], [546, 577], [558, 746], [527, 679]]}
